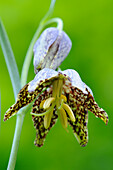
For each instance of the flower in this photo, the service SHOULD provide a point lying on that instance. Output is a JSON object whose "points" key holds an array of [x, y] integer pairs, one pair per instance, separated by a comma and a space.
{"points": [[58, 94], [51, 49]]}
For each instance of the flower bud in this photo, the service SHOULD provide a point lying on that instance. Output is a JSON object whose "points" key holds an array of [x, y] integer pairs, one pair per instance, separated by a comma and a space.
{"points": [[51, 49]]}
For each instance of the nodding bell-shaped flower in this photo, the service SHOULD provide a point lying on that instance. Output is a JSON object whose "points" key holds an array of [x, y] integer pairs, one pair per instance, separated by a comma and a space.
{"points": [[58, 94], [51, 49]]}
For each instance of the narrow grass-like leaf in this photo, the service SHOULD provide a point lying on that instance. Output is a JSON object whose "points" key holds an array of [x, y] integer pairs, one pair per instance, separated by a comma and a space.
{"points": [[10, 59], [0, 109]]}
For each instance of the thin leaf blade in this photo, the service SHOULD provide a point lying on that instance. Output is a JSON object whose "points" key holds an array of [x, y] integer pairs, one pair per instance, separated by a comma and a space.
{"points": [[10, 59]]}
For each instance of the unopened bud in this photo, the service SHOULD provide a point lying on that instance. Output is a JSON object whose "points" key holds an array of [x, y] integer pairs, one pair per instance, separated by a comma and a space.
{"points": [[51, 49]]}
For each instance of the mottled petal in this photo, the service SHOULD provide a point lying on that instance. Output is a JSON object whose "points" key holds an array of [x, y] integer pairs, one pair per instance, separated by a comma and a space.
{"points": [[42, 46], [80, 125], [94, 108], [41, 131], [45, 75], [23, 98], [76, 101], [82, 90], [46, 39], [63, 50], [51, 49], [80, 103], [76, 80]]}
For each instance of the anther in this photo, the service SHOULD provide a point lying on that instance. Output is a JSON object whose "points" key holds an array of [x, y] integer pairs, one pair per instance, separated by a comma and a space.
{"points": [[69, 112]]}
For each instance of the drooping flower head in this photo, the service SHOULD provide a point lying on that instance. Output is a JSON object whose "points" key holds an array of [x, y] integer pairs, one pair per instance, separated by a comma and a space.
{"points": [[51, 49], [58, 94]]}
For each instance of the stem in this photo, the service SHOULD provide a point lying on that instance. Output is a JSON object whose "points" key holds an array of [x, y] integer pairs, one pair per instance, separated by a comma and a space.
{"points": [[16, 139], [49, 13], [29, 54]]}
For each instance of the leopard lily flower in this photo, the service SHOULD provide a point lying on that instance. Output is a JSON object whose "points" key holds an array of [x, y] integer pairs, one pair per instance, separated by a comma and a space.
{"points": [[58, 94]]}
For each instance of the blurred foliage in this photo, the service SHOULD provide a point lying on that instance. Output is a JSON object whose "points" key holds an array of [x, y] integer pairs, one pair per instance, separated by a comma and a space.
{"points": [[90, 27]]}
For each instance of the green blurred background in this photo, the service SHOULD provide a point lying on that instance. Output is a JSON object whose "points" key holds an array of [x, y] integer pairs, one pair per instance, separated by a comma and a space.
{"points": [[90, 27]]}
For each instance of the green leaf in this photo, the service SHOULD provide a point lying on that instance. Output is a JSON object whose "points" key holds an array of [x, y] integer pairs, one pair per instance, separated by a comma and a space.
{"points": [[0, 109], [10, 59]]}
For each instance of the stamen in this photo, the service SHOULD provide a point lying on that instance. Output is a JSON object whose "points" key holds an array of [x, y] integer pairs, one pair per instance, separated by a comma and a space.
{"points": [[69, 111], [48, 102], [62, 102], [64, 98], [55, 87], [63, 117], [59, 88], [41, 104], [47, 119]]}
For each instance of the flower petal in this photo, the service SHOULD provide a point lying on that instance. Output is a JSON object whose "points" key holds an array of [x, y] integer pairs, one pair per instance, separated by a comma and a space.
{"points": [[76, 80], [82, 90], [23, 98], [80, 103], [42, 46], [45, 75], [76, 101], [94, 108], [63, 50], [80, 125], [46, 39], [41, 131], [51, 49]]}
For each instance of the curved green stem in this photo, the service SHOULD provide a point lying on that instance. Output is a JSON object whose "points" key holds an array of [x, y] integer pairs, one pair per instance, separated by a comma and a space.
{"points": [[29, 54], [49, 13], [55, 20]]}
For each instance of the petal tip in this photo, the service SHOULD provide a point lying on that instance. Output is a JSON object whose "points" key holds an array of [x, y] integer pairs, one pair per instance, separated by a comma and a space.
{"points": [[6, 117], [107, 120], [84, 143], [38, 145]]}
